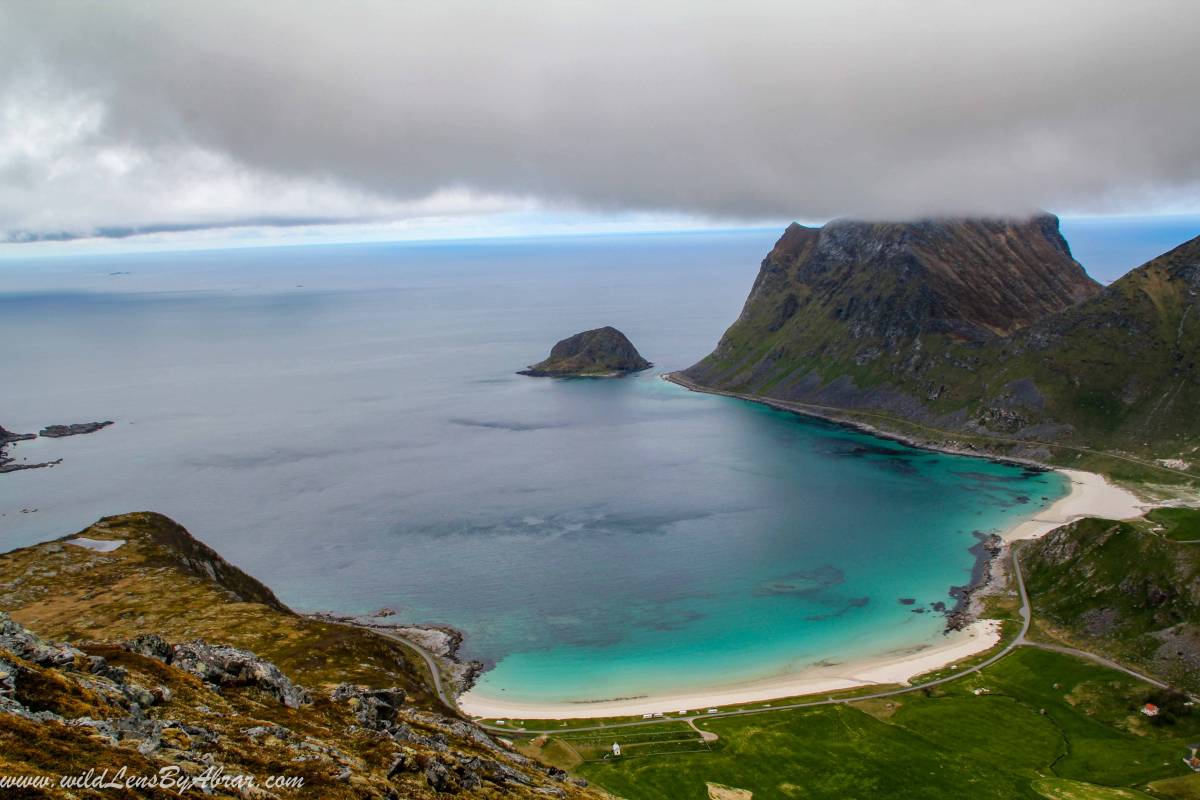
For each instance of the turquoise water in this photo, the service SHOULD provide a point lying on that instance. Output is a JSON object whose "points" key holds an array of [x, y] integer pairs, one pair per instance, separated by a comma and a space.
{"points": [[799, 556], [345, 424]]}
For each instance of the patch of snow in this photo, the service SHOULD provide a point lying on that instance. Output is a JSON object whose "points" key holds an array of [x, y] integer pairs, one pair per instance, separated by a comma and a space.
{"points": [[99, 545]]}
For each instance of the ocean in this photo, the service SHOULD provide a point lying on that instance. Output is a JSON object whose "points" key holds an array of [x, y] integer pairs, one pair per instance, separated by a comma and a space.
{"points": [[345, 423]]}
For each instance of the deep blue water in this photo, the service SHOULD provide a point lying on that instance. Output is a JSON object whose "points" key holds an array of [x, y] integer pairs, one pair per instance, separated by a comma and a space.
{"points": [[345, 423]]}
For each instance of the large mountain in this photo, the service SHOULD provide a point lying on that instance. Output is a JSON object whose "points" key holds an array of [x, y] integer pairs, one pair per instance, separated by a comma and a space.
{"points": [[983, 328]]}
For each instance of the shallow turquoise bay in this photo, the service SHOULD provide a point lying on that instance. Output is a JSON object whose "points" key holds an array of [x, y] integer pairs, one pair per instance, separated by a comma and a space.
{"points": [[345, 424]]}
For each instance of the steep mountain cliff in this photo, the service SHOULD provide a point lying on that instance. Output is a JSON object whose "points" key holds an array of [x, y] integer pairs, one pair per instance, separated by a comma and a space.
{"points": [[977, 327]]}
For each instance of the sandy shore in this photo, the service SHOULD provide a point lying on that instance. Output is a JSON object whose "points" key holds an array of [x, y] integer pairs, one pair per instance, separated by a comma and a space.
{"points": [[1090, 495], [890, 668]]}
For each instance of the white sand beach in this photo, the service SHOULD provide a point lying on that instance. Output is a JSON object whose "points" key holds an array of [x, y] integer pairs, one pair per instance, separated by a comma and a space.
{"points": [[1090, 495], [892, 668]]}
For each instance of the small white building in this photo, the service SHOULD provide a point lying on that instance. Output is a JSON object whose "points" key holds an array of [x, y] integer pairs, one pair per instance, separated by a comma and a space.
{"points": [[616, 750]]}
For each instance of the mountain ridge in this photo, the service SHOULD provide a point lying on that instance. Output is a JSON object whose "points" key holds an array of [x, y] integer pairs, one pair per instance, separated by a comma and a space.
{"points": [[980, 327]]}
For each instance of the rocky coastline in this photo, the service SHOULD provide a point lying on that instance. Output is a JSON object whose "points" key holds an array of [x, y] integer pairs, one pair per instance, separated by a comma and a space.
{"points": [[442, 642], [7, 462], [1031, 458], [986, 574], [10, 439]]}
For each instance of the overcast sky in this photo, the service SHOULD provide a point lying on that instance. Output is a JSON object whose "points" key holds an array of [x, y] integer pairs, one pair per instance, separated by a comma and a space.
{"points": [[124, 114]]}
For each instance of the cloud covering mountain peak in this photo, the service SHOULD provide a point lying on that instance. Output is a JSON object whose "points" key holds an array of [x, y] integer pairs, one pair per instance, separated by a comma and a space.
{"points": [[144, 113]]}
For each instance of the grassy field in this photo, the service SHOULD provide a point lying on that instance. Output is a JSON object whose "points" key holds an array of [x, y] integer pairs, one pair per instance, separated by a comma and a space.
{"points": [[1178, 524], [1043, 725]]}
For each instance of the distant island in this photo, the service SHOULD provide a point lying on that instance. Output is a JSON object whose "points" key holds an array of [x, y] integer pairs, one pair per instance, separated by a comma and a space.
{"points": [[600, 353], [7, 438], [75, 429]]}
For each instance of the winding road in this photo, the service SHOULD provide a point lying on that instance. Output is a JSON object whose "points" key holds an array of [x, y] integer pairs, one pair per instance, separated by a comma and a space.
{"points": [[431, 661]]}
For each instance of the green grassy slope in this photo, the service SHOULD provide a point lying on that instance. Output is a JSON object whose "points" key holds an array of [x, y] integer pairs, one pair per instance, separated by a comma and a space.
{"points": [[1124, 589], [1046, 720]]}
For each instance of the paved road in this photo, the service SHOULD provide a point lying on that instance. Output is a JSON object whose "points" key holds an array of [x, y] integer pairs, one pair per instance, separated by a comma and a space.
{"points": [[431, 661], [1018, 641]]}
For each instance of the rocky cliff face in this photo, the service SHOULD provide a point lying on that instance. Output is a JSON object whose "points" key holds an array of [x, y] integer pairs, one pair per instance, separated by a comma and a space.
{"points": [[133, 645], [982, 327], [603, 352], [970, 279]]}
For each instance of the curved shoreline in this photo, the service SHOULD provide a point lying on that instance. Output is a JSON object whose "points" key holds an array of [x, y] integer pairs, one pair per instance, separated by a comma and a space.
{"points": [[896, 667], [1090, 494]]}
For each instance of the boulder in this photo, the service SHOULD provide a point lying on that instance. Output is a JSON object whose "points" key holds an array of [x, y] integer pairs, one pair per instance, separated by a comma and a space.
{"points": [[226, 666]]}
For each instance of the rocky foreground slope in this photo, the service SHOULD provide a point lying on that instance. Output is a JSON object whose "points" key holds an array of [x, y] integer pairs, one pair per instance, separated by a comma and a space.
{"points": [[133, 645], [975, 327]]}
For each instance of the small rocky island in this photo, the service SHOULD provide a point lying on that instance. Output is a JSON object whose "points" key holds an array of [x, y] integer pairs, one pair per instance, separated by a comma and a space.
{"points": [[600, 353], [75, 429]]}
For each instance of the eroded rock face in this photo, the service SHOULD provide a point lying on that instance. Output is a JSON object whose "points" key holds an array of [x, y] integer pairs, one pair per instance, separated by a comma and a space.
{"points": [[603, 352], [223, 666], [230, 667]]}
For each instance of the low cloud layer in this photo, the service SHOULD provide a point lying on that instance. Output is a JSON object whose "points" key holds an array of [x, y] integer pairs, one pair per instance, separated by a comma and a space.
{"points": [[129, 114]]}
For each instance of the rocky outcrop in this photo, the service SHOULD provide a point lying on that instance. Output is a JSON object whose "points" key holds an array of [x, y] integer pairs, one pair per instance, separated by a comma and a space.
{"points": [[76, 429], [967, 607], [226, 666], [22, 642], [24, 657], [603, 352]]}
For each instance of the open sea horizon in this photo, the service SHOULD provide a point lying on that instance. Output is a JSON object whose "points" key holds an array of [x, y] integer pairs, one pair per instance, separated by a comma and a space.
{"points": [[344, 422]]}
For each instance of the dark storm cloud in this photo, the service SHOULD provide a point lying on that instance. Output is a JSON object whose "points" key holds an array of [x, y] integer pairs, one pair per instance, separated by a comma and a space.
{"points": [[747, 110]]}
